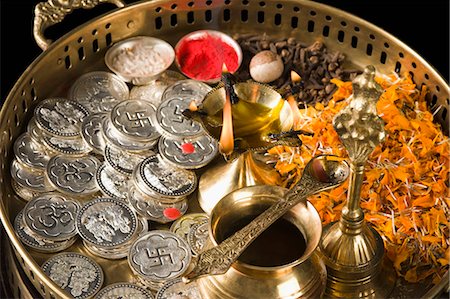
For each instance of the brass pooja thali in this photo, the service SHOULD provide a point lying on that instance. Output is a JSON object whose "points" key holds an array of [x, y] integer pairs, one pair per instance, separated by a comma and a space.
{"points": [[146, 142]]}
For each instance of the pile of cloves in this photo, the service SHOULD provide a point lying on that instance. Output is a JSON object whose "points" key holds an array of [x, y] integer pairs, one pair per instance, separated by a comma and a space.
{"points": [[314, 63]]}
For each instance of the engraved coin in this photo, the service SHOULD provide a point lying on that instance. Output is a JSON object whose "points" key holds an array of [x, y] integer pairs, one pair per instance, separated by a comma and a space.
{"points": [[79, 275], [133, 119], [29, 178], [158, 178], [99, 91], [123, 290], [34, 132], [198, 235], [189, 153], [24, 193], [175, 100], [152, 209], [121, 251], [72, 147], [73, 176], [106, 222], [159, 256], [153, 91], [177, 289], [183, 225], [52, 216], [60, 117], [122, 161], [92, 132], [123, 143], [30, 153], [35, 241], [112, 183]]}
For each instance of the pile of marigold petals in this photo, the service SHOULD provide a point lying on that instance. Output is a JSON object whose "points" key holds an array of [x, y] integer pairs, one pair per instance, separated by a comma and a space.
{"points": [[404, 194]]}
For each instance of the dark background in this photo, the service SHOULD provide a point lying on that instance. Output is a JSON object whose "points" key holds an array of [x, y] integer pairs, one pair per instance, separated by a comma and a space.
{"points": [[423, 25]]}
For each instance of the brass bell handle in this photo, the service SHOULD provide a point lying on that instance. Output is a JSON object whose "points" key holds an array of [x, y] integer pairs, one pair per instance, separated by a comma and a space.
{"points": [[52, 12]]}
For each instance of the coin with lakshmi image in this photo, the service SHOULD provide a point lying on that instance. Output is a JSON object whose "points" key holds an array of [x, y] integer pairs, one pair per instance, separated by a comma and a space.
{"points": [[123, 290], [60, 117], [123, 161], [152, 209], [112, 183], [99, 91], [106, 223], [52, 216], [67, 146], [78, 275], [158, 178], [177, 289]]}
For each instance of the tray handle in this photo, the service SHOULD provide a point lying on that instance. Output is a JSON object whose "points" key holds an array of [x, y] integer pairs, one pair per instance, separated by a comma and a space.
{"points": [[52, 12]]}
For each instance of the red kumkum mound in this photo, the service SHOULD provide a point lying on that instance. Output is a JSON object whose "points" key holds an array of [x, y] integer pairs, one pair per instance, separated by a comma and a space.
{"points": [[203, 58]]}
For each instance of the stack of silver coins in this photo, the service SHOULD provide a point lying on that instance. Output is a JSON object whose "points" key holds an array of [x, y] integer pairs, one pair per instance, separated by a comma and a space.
{"points": [[108, 227], [158, 257], [159, 190], [47, 223]]}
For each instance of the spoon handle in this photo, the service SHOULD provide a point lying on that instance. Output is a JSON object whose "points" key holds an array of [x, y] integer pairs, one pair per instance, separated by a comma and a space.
{"points": [[218, 259]]}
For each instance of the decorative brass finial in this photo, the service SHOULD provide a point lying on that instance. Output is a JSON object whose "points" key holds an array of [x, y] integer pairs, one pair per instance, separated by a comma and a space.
{"points": [[352, 250]]}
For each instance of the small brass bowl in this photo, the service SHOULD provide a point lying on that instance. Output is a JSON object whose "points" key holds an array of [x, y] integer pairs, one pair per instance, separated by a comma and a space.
{"points": [[252, 92], [302, 275]]}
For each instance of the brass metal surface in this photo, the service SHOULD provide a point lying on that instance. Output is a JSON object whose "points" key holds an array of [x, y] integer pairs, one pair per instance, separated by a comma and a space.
{"points": [[353, 252], [320, 174], [54, 71], [304, 277]]}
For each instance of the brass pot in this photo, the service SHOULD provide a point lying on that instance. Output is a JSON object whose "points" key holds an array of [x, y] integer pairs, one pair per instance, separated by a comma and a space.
{"points": [[290, 272]]}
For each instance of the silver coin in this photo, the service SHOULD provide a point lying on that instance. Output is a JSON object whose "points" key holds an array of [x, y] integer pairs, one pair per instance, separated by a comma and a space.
{"points": [[24, 193], [122, 161], [119, 252], [30, 153], [123, 290], [65, 146], [189, 153], [35, 133], [99, 91], [73, 176], [133, 119], [155, 177], [106, 222], [153, 91], [35, 241], [177, 289], [112, 183], [52, 216], [175, 100], [29, 178], [78, 275], [92, 132], [159, 256], [198, 235], [154, 210], [123, 143], [183, 225], [60, 117]]}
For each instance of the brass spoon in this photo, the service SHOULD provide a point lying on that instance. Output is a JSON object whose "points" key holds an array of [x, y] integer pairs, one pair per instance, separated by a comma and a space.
{"points": [[321, 173]]}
